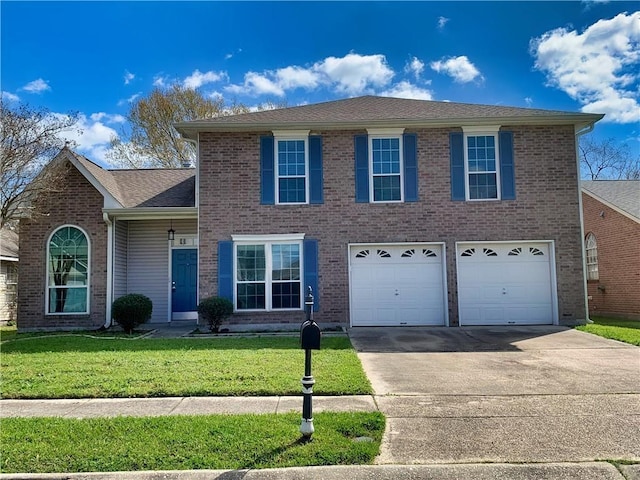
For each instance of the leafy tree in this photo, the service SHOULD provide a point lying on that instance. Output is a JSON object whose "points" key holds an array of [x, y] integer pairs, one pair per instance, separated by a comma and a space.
{"points": [[607, 160], [30, 137], [151, 140]]}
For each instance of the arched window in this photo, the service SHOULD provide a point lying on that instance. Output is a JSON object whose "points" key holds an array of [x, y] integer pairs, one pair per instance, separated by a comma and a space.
{"points": [[68, 271], [592, 257]]}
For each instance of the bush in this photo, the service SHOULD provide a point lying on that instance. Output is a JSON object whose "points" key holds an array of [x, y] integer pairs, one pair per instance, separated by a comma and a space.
{"points": [[130, 311], [214, 310]]}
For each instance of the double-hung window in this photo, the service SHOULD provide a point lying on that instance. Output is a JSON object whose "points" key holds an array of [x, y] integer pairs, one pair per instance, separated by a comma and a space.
{"points": [[268, 273], [482, 173], [386, 167], [292, 167], [482, 164]]}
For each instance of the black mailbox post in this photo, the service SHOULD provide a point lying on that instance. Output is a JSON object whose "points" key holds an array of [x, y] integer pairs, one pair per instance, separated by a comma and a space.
{"points": [[309, 340]]}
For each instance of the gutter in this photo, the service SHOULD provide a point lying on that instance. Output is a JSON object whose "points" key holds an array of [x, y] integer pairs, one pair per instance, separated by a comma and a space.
{"points": [[109, 299], [151, 213], [584, 130]]}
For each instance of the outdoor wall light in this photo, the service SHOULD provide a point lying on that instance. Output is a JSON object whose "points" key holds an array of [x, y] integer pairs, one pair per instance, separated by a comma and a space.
{"points": [[171, 233]]}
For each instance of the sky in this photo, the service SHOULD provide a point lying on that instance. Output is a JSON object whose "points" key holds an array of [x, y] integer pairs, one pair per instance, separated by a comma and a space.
{"points": [[96, 58]]}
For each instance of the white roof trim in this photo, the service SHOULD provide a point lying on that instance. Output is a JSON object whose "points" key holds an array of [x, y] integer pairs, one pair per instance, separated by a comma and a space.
{"points": [[151, 213], [9, 259], [611, 205]]}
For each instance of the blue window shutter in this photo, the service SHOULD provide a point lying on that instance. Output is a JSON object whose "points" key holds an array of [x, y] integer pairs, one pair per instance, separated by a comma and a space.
{"points": [[362, 168], [310, 247], [225, 269], [507, 170], [267, 174], [456, 148], [315, 169], [410, 167]]}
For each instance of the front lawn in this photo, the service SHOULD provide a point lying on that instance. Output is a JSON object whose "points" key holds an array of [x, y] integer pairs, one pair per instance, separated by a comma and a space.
{"points": [[47, 445], [627, 331], [75, 366]]}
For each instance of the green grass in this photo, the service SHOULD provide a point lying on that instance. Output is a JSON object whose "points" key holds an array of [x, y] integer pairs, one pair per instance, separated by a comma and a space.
{"points": [[48, 445], [627, 331], [74, 366]]}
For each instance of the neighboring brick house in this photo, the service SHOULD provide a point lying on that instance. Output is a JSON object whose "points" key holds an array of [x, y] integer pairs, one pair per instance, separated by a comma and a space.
{"points": [[394, 211], [8, 275], [611, 210]]}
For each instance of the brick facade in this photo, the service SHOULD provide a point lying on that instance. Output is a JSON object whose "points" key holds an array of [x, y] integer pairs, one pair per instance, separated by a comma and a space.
{"points": [[546, 208], [78, 204], [617, 291]]}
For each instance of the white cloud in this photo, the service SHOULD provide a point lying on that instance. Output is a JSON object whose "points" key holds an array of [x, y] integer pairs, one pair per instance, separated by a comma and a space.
{"points": [[297, 77], [160, 81], [107, 117], [406, 89], [128, 77], [355, 74], [415, 66], [131, 99], [528, 101], [459, 68], [36, 86], [352, 74], [442, 21], [90, 135], [597, 67], [10, 97], [197, 78]]}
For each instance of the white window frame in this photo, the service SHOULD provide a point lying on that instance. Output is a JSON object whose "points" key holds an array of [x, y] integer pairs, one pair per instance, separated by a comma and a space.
{"points": [[268, 241], [87, 286], [291, 135], [591, 256], [388, 133], [486, 131]]}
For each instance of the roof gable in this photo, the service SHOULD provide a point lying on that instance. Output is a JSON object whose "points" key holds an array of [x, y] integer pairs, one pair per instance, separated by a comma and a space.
{"points": [[137, 188]]}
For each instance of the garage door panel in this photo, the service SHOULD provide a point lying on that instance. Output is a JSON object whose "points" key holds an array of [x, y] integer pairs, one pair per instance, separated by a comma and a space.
{"points": [[403, 285], [504, 284]]}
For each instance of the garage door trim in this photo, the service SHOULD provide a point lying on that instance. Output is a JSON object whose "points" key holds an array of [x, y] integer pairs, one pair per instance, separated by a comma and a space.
{"points": [[552, 268], [443, 268]]}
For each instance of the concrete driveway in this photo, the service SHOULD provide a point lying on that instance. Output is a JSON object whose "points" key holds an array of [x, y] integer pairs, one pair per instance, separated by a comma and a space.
{"points": [[502, 394]]}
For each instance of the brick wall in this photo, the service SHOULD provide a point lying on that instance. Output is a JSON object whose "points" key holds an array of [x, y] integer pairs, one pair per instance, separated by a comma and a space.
{"points": [[79, 204], [546, 208], [617, 291]]}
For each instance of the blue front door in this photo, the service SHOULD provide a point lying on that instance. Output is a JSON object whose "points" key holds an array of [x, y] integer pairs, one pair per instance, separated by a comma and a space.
{"points": [[184, 278]]}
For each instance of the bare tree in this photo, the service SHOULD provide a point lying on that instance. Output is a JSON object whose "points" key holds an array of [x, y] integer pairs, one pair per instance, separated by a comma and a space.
{"points": [[607, 159], [149, 139], [31, 137]]}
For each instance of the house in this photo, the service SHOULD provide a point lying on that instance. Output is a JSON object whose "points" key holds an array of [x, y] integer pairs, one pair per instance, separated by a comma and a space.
{"points": [[611, 210], [394, 211], [8, 275]]}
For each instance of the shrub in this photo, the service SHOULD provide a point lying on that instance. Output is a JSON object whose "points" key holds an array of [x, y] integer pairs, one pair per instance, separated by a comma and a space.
{"points": [[132, 310], [214, 310]]}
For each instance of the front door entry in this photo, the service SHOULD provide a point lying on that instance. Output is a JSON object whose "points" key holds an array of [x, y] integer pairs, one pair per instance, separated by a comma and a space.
{"points": [[184, 279]]}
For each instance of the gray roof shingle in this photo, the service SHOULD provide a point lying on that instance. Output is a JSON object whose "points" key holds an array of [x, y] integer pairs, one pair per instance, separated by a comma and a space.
{"points": [[372, 110], [624, 194]]}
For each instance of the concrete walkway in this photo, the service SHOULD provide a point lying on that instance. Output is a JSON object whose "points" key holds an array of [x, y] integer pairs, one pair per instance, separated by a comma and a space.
{"points": [[533, 403]]}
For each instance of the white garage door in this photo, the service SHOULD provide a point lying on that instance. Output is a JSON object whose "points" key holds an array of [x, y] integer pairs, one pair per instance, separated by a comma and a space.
{"points": [[505, 283], [397, 285]]}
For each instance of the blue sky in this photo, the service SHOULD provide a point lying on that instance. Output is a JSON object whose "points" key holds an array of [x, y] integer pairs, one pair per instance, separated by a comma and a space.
{"points": [[97, 57]]}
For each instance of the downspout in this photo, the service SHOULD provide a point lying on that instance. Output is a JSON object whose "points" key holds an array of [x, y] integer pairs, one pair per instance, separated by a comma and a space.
{"points": [[578, 134], [109, 300]]}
